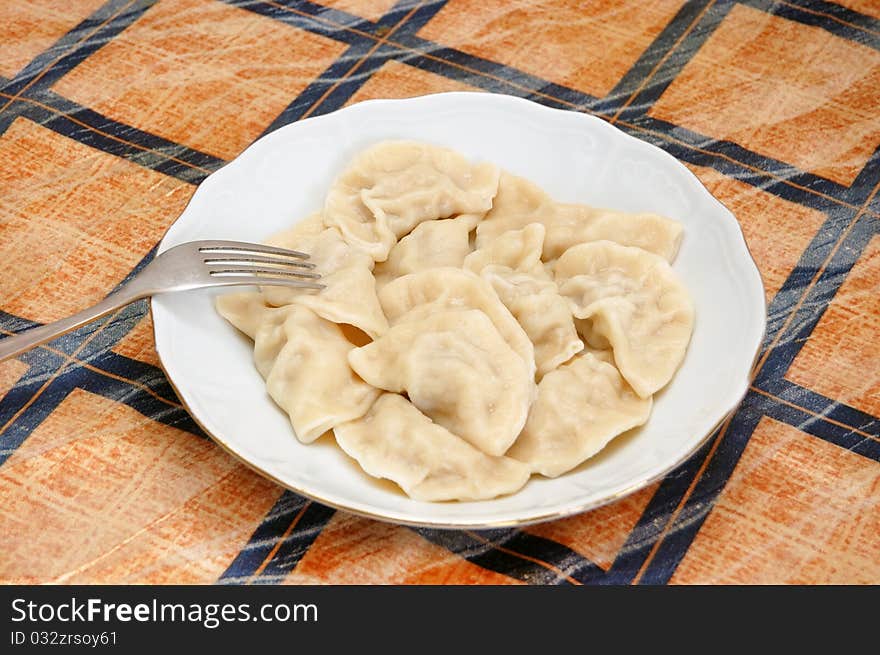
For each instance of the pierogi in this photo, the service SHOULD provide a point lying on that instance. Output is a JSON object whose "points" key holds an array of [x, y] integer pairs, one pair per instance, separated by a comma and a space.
{"points": [[472, 331]]}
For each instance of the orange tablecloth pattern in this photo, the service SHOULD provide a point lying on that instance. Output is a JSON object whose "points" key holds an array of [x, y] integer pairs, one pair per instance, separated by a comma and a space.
{"points": [[111, 113]]}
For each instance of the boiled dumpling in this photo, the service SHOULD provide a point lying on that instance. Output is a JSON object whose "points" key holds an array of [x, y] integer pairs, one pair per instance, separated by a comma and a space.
{"points": [[602, 354], [519, 250], [269, 338], [244, 309], [422, 182], [395, 185], [396, 441], [305, 362], [421, 294], [292, 238], [572, 225], [518, 203], [469, 220], [634, 300], [458, 370], [581, 406], [544, 315], [429, 245], [300, 237], [349, 293], [512, 265]]}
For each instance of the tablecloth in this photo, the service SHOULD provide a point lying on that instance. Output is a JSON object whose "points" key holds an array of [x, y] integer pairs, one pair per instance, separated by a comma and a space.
{"points": [[112, 113]]}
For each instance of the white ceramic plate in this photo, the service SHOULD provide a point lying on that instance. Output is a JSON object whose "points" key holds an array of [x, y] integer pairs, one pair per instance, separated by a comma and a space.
{"points": [[576, 158]]}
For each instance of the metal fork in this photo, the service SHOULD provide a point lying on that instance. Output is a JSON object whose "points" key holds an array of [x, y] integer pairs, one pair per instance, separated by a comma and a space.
{"points": [[193, 265]]}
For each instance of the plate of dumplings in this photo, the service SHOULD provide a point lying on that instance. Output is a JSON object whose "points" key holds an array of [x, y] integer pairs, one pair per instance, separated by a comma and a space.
{"points": [[526, 312]]}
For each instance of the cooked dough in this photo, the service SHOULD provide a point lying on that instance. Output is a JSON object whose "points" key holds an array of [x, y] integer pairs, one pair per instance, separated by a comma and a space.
{"points": [[349, 295], [581, 406], [544, 315], [519, 203], [269, 339], [244, 309], [431, 244], [304, 360], [634, 300], [575, 224], [519, 250], [592, 339], [421, 294], [292, 238], [458, 370], [395, 185], [512, 265], [397, 442]]}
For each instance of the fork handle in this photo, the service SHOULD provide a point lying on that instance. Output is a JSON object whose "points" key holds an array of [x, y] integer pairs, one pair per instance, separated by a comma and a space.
{"points": [[23, 341]]}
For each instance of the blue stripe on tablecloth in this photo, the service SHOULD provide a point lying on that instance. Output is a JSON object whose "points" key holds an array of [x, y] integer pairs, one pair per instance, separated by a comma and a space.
{"points": [[846, 438], [668, 40], [329, 91], [84, 40], [20, 416], [295, 545], [839, 21], [683, 138], [823, 407], [279, 542], [425, 11], [97, 131], [863, 183], [323, 21], [517, 554], [655, 518], [680, 533], [851, 244], [124, 392], [680, 54]]}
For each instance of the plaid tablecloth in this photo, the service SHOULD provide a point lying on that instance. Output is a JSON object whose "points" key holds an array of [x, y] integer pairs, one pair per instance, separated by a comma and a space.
{"points": [[111, 113]]}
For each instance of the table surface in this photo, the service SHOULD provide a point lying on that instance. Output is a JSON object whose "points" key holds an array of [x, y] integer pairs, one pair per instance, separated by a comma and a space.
{"points": [[111, 113]]}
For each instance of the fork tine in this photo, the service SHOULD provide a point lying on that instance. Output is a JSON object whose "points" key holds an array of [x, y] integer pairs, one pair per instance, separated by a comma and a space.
{"points": [[247, 259], [267, 277], [261, 272], [240, 247]]}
